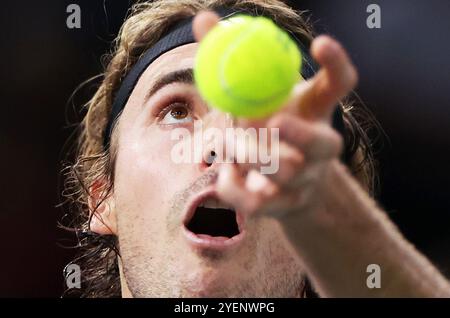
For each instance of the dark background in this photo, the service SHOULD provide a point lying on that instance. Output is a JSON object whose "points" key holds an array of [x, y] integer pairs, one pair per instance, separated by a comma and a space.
{"points": [[404, 79]]}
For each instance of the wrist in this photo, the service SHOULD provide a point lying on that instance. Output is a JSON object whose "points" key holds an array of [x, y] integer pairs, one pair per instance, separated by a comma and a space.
{"points": [[339, 204]]}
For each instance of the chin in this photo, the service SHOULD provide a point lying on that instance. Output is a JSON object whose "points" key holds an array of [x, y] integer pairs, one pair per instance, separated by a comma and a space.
{"points": [[210, 282]]}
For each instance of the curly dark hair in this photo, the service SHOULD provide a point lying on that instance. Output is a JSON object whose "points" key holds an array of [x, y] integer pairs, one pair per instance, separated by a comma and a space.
{"points": [[145, 24]]}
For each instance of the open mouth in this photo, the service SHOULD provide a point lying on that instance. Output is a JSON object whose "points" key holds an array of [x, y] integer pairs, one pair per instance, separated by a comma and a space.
{"points": [[211, 223], [214, 219]]}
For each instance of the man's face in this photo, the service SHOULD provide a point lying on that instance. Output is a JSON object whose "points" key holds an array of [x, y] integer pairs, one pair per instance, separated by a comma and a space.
{"points": [[171, 247]]}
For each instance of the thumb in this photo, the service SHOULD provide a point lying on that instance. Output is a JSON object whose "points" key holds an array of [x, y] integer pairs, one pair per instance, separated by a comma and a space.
{"points": [[203, 22]]}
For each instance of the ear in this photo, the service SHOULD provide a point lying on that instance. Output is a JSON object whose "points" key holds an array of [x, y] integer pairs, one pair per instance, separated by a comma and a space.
{"points": [[101, 209]]}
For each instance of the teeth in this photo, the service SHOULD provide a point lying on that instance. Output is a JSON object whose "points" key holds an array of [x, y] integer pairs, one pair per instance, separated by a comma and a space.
{"points": [[213, 203]]}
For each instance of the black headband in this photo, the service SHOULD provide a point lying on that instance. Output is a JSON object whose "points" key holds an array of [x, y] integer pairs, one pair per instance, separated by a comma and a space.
{"points": [[181, 34]]}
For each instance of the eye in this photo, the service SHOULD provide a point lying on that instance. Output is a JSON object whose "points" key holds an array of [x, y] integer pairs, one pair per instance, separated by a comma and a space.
{"points": [[177, 113]]}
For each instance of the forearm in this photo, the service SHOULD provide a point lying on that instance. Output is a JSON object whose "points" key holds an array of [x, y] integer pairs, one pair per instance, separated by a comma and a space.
{"points": [[337, 241]]}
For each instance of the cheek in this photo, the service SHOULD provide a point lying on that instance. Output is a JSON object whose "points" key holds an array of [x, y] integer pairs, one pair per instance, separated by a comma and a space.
{"points": [[146, 177], [278, 247]]}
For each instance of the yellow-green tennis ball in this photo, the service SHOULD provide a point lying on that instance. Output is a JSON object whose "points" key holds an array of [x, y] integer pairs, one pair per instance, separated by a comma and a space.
{"points": [[247, 66]]}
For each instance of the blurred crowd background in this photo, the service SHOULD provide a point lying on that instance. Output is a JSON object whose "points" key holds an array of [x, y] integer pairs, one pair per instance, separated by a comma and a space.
{"points": [[404, 80]]}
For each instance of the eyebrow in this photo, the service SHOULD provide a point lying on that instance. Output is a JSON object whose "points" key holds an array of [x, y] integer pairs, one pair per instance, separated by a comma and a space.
{"points": [[178, 76]]}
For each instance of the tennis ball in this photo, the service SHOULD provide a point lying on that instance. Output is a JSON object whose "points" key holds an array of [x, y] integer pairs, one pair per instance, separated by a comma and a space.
{"points": [[247, 66]]}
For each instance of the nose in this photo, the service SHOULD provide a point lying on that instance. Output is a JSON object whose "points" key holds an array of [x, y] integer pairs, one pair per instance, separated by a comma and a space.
{"points": [[210, 157], [215, 125]]}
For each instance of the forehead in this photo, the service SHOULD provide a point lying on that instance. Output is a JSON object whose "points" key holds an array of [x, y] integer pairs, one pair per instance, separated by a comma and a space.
{"points": [[181, 57]]}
